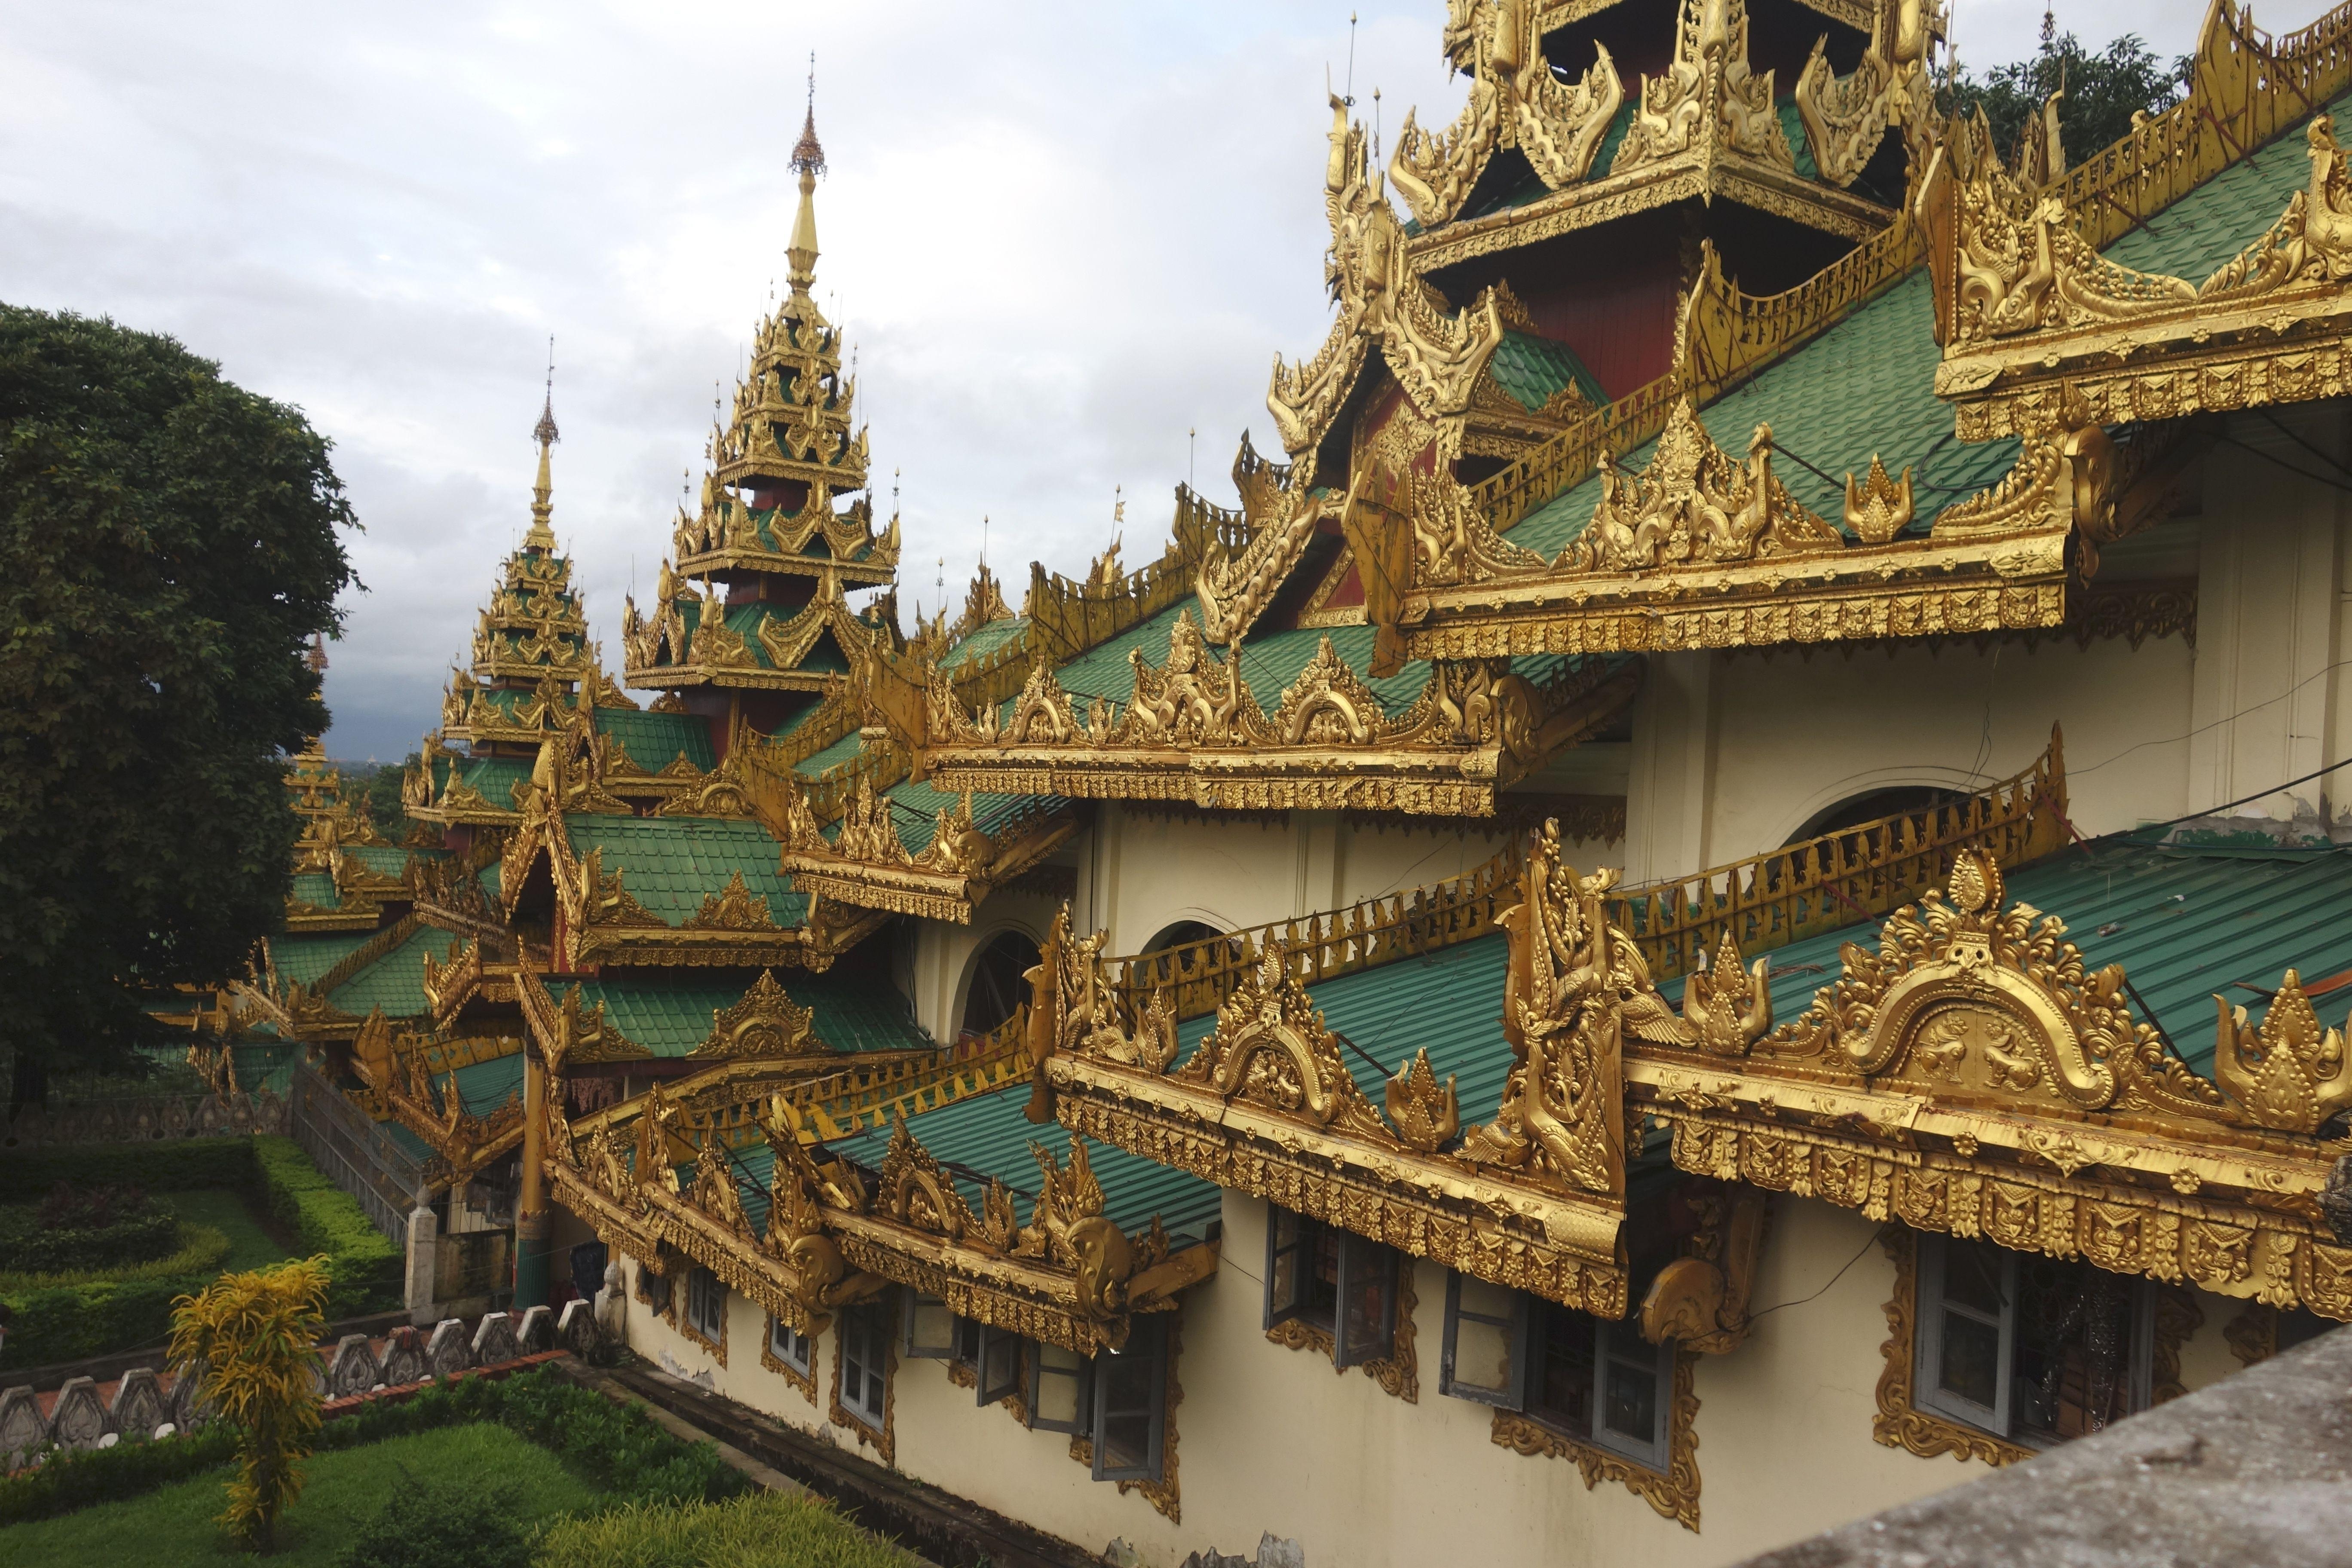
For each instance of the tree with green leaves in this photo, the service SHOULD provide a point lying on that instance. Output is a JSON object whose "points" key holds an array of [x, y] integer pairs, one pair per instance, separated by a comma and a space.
{"points": [[251, 1338], [385, 806], [2100, 93], [170, 544]]}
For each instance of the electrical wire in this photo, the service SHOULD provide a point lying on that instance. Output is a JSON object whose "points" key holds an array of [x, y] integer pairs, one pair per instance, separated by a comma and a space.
{"points": [[1754, 1317], [2281, 463]]}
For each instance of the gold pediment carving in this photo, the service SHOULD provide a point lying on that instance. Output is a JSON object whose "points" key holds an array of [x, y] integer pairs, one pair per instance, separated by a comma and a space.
{"points": [[766, 1022]]}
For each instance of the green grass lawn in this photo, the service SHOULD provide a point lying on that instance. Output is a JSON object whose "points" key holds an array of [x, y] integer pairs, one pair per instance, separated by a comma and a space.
{"points": [[173, 1527], [250, 1246]]}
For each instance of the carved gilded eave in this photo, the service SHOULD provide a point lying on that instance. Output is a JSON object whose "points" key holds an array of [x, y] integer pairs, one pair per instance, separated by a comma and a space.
{"points": [[1702, 549], [837, 1235], [1193, 731], [1975, 1075], [1269, 1104], [866, 864], [726, 536], [2040, 330], [661, 652], [1235, 588]]}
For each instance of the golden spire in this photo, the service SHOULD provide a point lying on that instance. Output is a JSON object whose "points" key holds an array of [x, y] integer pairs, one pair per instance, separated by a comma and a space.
{"points": [[808, 162], [540, 536]]}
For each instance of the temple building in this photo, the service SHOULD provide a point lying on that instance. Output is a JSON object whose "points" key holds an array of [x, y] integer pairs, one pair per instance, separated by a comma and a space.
{"points": [[1716, 903]]}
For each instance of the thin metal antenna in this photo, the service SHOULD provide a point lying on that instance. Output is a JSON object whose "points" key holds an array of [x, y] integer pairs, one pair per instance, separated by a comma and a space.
{"points": [[1190, 443], [1376, 125], [1349, 98]]}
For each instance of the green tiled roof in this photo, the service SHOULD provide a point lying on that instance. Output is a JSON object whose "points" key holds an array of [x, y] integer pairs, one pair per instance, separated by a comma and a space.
{"points": [[2186, 924], [301, 959], [654, 741], [918, 806], [484, 1086], [673, 863], [823, 657], [494, 778], [267, 1066], [409, 1143], [1533, 370], [1449, 1003], [386, 860], [987, 1135], [983, 641], [394, 982], [817, 763], [1867, 385], [817, 549], [670, 1018], [317, 890]]}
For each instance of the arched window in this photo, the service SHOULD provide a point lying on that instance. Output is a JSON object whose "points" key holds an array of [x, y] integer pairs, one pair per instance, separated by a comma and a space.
{"points": [[1179, 934], [997, 989], [1870, 807]]}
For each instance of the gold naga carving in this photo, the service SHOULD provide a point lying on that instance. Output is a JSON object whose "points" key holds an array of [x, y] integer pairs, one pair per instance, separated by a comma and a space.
{"points": [[1695, 504], [1726, 1009], [1575, 987], [2290, 1074], [764, 1023], [801, 1195], [1708, 98], [1889, 90], [1234, 590], [1700, 1300], [1076, 1009], [1515, 101], [1436, 353]]}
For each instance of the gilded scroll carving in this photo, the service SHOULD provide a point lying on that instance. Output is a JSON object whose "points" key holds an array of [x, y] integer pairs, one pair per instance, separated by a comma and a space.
{"points": [[1575, 987], [1436, 353], [765, 1023], [2290, 1074], [1516, 101], [1700, 1300], [1708, 98], [1272, 1048], [1693, 503]]}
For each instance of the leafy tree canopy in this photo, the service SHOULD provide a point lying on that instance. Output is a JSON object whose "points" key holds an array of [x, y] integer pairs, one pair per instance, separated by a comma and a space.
{"points": [[169, 545], [2102, 91], [385, 806]]}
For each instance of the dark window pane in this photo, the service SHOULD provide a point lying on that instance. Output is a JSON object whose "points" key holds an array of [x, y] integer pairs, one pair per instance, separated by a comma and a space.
{"points": [[1367, 1314], [1971, 1359], [1563, 1369], [1319, 1302], [1127, 1441], [1634, 1391], [1972, 1275], [2074, 1348]]}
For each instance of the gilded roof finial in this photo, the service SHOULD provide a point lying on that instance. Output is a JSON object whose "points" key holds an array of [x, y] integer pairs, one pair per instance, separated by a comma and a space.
{"points": [[540, 536], [808, 162]]}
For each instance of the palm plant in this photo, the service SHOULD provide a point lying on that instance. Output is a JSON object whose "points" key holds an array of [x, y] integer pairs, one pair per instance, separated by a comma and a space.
{"points": [[255, 1336]]}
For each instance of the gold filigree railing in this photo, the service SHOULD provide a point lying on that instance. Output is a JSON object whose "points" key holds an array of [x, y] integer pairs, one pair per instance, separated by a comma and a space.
{"points": [[1840, 878], [1199, 975], [1067, 618]]}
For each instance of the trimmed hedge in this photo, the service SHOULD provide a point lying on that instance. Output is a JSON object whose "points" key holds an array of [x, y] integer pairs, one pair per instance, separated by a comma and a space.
{"points": [[764, 1530], [616, 1448], [70, 1322], [201, 1249]]}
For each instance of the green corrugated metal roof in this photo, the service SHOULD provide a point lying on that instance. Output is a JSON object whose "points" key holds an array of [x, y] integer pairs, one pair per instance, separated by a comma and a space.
{"points": [[672, 863], [267, 1066], [410, 1144], [394, 982], [1533, 370], [484, 1086], [670, 1018], [2186, 924], [987, 1135], [386, 860], [302, 958], [918, 806], [1867, 385], [654, 741], [983, 641], [1449, 1001]]}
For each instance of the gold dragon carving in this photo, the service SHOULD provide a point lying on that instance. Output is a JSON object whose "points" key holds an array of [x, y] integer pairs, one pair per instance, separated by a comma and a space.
{"points": [[1436, 353], [1708, 98], [1515, 101]]}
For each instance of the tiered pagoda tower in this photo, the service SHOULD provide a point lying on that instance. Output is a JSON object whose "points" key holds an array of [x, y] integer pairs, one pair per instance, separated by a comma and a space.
{"points": [[1556, 223], [750, 627], [532, 666]]}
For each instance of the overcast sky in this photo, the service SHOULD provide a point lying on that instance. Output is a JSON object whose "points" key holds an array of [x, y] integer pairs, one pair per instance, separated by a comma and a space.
{"points": [[1059, 236]]}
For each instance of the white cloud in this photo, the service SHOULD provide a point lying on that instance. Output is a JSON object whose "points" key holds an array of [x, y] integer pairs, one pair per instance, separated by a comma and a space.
{"points": [[1060, 235]]}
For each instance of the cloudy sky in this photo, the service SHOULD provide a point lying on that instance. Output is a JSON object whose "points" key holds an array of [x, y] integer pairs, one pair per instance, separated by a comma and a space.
{"points": [[1060, 236]]}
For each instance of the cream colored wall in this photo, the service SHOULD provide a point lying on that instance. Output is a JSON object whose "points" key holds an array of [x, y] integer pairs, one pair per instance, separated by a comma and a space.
{"points": [[1273, 1440]]}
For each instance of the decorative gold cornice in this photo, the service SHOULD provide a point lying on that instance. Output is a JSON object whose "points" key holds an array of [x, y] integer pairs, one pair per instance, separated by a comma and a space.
{"points": [[1701, 550], [1976, 1075], [866, 864], [2040, 332], [1191, 730], [664, 652], [1266, 1103]]}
